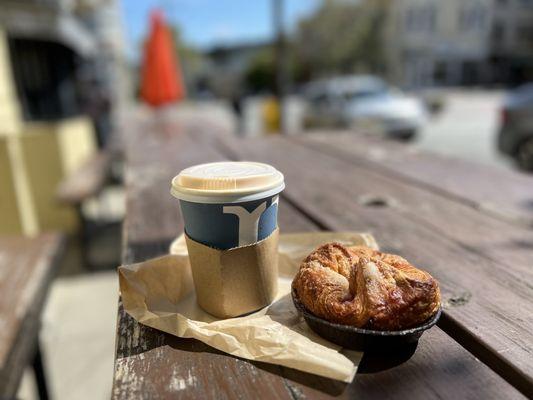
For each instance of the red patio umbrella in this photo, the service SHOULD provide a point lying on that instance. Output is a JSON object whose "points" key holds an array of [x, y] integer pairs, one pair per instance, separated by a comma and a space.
{"points": [[161, 76]]}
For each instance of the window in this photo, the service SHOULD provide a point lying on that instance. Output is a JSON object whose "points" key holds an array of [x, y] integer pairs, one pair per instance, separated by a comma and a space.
{"points": [[421, 18], [524, 34], [410, 20], [432, 18], [472, 18], [45, 77], [498, 33]]}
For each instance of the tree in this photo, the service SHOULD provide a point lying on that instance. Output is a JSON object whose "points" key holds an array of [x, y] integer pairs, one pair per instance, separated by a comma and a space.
{"points": [[192, 61], [260, 74], [342, 37]]}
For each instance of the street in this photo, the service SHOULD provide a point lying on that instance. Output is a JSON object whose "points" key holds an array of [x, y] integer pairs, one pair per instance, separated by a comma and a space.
{"points": [[466, 127]]}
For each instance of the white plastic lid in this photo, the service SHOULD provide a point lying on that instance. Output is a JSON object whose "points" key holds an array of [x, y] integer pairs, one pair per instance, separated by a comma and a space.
{"points": [[227, 182]]}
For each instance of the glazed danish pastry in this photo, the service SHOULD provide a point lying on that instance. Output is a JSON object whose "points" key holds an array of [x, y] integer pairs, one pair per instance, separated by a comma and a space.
{"points": [[365, 288]]}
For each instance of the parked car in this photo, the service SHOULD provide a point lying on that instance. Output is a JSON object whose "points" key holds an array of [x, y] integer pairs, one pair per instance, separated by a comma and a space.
{"points": [[515, 137], [364, 103]]}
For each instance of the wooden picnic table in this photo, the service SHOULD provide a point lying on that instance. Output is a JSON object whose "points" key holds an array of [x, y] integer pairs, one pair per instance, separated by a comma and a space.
{"points": [[27, 266], [470, 226]]}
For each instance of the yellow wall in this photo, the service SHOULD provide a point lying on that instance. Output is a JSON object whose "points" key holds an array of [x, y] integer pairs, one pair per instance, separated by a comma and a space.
{"points": [[14, 191], [9, 210], [10, 120], [42, 159], [34, 158], [21, 185], [52, 151], [76, 140]]}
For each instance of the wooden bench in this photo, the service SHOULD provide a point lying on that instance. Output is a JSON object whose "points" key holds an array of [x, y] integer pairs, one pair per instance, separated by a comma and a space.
{"points": [[85, 183], [432, 210], [26, 270]]}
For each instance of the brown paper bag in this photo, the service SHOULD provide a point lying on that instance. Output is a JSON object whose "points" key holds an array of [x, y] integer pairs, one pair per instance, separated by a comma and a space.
{"points": [[160, 293]]}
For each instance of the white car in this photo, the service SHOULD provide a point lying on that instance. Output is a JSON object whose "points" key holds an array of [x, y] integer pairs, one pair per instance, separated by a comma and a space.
{"points": [[364, 103]]}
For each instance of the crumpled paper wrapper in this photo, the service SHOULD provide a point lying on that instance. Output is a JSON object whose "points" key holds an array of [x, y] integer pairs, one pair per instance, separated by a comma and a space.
{"points": [[160, 293]]}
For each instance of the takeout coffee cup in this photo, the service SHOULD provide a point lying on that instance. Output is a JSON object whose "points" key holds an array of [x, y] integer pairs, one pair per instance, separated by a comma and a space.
{"points": [[230, 212], [229, 204]]}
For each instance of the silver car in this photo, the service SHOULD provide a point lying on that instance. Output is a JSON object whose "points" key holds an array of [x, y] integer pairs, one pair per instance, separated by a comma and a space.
{"points": [[515, 138], [364, 103]]}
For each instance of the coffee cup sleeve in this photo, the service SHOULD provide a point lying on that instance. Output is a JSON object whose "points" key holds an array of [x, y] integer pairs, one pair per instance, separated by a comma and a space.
{"points": [[236, 281]]}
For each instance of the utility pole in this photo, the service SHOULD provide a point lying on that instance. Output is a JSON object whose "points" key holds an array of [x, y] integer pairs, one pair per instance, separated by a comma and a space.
{"points": [[280, 56]]}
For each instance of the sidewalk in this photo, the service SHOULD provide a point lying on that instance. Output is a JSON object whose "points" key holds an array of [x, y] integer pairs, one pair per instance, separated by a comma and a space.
{"points": [[78, 338]]}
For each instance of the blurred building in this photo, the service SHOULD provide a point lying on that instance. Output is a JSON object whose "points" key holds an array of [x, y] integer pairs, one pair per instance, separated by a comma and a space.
{"points": [[61, 77], [103, 19], [227, 66], [459, 42]]}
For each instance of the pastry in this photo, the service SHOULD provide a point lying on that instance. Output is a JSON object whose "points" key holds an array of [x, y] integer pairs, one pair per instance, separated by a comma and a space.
{"points": [[365, 288]]}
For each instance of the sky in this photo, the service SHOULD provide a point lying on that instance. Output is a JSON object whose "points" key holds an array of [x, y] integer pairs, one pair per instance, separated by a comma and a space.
{"points": [[205, 23]]}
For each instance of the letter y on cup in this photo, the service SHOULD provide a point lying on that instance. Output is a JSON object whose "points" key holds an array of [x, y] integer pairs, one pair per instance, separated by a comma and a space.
{"points": [[248, 221]]}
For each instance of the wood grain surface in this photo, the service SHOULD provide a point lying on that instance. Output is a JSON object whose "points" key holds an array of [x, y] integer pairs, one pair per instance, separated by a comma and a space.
{"points": [[152, 364], [501, 192], [320, 195], [26, 269], [486, 300]]}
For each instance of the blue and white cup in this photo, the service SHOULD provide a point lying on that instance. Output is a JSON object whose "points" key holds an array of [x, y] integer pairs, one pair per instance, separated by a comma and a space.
{"points": [[229, 204]]}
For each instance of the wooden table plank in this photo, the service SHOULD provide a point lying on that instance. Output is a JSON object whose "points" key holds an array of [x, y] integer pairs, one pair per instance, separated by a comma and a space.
{"points": [[440, 368], [158, 365], [155, 153], [487, 302], [457, 220], [500, 192], [151, 363], [27, 266], [178, 360], [148, 181], [135, 339], [462, 219]]}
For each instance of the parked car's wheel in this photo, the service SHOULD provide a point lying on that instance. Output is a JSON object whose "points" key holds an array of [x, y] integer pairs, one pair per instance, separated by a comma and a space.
{"points": [[404, 135], [524, 156]]}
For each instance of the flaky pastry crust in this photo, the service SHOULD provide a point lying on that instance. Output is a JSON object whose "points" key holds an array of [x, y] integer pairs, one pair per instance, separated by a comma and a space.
{"points": [[365, 288]]}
